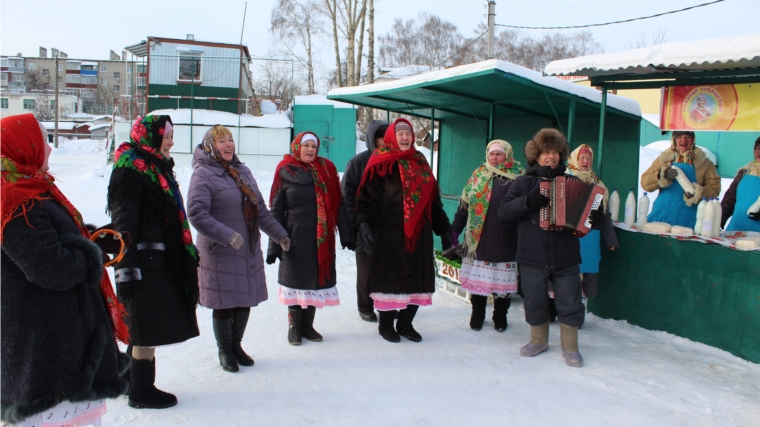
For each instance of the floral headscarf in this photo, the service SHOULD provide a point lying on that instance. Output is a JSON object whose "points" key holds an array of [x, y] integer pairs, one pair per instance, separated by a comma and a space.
{"points": [[142, 155], [250, 203], [477, 192], [327, 189], [574, 169], [24, 184], [417, 180]]}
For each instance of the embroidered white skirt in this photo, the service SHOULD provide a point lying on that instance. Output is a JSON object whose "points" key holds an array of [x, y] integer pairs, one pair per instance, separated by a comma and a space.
{"points": [[486, 278]]}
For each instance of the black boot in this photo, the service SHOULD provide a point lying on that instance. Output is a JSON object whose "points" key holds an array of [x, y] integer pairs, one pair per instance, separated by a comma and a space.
{"points": [[404, 323], [126, 375], [500, 309], [295, 313], [385, 326], [223, 334], [239, 322], [478, 311], [142, 391], [307, 325]]}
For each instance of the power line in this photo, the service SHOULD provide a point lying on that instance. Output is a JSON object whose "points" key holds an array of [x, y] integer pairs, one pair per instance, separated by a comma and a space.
{"points": [[614, 22], [554, 11]]}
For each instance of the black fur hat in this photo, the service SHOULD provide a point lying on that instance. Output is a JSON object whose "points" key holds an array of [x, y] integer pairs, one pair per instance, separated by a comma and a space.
{"points": [[546, 139]]}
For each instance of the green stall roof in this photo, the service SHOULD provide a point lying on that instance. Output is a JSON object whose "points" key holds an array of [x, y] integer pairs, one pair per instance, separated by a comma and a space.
{"points": [[470, 91]]}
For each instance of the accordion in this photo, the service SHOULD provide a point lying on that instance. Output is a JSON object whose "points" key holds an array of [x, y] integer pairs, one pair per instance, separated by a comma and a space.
{"points": [[570, 203]]}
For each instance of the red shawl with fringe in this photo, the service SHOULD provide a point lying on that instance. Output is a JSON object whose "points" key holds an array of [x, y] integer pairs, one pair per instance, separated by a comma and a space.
{"points": [[24, 184], [327, 189], [417, 181]]}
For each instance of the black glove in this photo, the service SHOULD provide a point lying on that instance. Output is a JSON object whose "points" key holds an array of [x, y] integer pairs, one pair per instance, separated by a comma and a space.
{"points": [[537, 200], [107, 243], [754, 216], [446, 241], [366, 237], [596, 217], [351, 246], [671, 174], [455, 253], [271, 259]]}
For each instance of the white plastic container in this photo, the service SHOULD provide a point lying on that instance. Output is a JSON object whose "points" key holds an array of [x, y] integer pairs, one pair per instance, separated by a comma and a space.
{"points": [[643, 211], [630, 208], [707, 221], [614, 205], [717, 218], [700, 216], [755, 207]]}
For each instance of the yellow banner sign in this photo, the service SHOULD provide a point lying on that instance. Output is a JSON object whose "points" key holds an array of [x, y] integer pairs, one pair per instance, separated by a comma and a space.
{"points": [[717, 107]]}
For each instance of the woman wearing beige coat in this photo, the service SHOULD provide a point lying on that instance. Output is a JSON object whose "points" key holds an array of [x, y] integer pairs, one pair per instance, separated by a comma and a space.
{"points": [[673, 205]]}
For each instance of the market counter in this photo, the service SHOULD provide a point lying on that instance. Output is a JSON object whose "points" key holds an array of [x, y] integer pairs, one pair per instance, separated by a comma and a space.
{"points": [[704, 292]]}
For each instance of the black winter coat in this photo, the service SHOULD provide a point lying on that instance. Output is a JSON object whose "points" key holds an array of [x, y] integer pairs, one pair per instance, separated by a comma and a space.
{"points": [[159, 311], [536, 246], [352, 176], [498, 242], [392, 269], [295, 208], [57, 339]]}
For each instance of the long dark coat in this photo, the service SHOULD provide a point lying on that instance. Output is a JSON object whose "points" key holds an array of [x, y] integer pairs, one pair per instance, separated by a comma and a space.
{"points": [[295, 208], [227, 277], [498, 241], [159, 312], [392, 269], [57, 338]]}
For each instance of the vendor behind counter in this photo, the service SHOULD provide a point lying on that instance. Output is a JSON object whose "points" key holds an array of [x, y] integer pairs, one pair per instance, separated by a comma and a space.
{"points": [[743, 192]]}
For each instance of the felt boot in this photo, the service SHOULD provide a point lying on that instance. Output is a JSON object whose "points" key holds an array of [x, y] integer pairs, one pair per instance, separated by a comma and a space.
{"points": [[239, 322], [500, 309], [539, 341], [295, 313], [307, 325], [385, 326], [478, 311], [142, 391], [404, 323], [223, 335], [568, 339]]}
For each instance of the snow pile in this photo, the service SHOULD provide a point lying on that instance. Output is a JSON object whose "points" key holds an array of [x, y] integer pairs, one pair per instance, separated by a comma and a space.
{"points": [[98, 172], [80, 146]]}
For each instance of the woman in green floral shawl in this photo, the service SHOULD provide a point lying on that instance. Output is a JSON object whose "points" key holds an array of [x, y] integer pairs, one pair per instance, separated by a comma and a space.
{"points": [[490, 245], [157, 280]]}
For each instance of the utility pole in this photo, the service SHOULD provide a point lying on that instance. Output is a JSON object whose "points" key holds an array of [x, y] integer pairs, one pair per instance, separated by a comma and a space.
{"points": [[55, 132], [491, 19]]}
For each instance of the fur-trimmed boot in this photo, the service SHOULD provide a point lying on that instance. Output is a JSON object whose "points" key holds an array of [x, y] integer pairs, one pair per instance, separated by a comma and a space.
{"points": [[239, 322], [142, 391], [385, 326], [500, 309], [223, 335], [404, 323], [539, 341], [478, 311], [307, 325], [568, 339], [295, 314]]}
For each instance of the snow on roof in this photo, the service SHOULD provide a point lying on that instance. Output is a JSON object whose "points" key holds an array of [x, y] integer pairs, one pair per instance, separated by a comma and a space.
{"points": [[80, 116], [618, 102], [84, 124], [61, 125], [320, 100], [96, 127], [210, 118], [96, 118], [89, 63], [721, 53], [652, 118], [403, 72]]}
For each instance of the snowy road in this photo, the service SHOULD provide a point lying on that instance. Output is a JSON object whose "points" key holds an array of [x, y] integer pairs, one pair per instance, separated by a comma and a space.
{"points": [[632, 377]]}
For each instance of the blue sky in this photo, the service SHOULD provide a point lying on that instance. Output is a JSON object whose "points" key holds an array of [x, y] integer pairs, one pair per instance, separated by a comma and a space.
{"points": [[90, 30]]}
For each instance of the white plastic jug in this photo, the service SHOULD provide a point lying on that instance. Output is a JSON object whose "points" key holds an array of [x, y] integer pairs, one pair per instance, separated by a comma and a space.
{"points": [[700, 216], [707, 221], [643, 211], [614, 207], [717, 218], [753, 208], [630, 207]]}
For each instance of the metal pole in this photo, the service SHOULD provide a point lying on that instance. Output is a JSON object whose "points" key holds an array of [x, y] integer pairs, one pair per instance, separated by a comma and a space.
{"points": [[570, 124], [598, 154], [432, 141], [491, 19], [55, 132], [388, 116], [491, 115], [192, 104]]}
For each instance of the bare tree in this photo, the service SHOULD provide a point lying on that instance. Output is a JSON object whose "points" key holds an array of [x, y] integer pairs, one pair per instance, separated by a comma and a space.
{"points": [[297, 21], [371, 44], [657, 37], [273, 81], [44, 106], [347, 17], [34, 80], [424, 40]]}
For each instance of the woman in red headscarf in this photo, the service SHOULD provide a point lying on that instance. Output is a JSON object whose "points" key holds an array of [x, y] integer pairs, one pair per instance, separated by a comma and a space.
{"points": [[398, 209], [60, 317], [306, 200]]}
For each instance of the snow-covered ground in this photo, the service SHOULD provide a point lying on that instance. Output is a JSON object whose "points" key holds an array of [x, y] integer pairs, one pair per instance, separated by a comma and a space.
{"points": [[631, 377]]}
